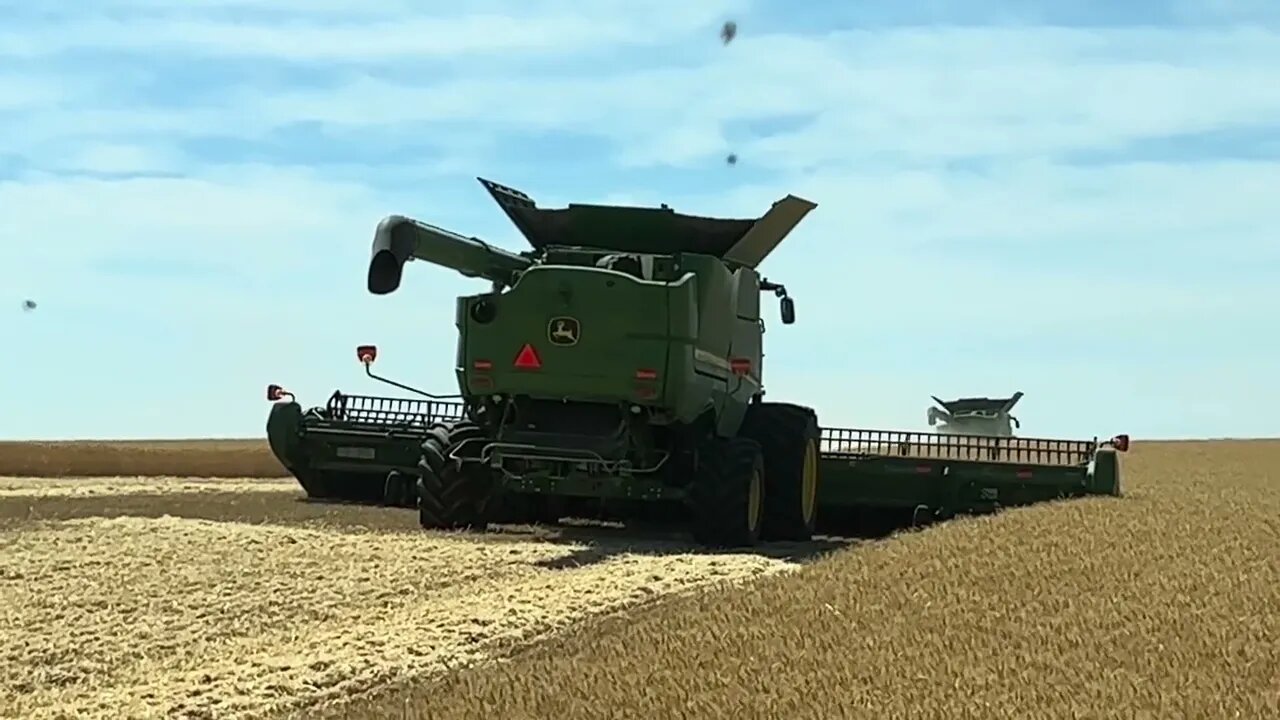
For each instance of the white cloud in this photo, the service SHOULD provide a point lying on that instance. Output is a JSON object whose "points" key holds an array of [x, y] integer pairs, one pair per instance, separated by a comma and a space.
{"points": [[906, 263], [914, 95], [18, 92], [546, 28], [241, 209], [121, 158]]}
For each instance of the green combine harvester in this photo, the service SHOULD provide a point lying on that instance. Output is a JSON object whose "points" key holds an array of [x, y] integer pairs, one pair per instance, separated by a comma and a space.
{"points": [[615, 371], [975, 416]]}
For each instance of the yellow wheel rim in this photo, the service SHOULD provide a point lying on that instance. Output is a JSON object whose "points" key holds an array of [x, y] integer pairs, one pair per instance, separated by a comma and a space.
{"points": [[753, 501], [809, 488]]}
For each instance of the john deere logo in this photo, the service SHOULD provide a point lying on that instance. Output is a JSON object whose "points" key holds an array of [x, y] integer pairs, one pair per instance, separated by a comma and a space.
{"points": [[563, 331]]}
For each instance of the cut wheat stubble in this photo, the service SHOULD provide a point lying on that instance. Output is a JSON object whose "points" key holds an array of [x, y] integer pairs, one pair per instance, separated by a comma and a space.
{"points": [[183, 618], [83, 487], [1164, 603]]}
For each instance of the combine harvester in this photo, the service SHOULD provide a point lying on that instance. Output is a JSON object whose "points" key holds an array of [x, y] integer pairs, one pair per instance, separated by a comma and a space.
{"points": [[615, 371], [975, 416]]}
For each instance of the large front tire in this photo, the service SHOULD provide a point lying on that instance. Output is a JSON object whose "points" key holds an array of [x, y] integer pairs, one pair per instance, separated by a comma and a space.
{"points": [[451, 497], [789, 437], [728, 494]]}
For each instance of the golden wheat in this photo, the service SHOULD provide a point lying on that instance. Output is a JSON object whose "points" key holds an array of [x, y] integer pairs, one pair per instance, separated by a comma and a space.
{"points": [[178, 617], [252, 603], [98, 486], [137, 458], [1161, 604]]}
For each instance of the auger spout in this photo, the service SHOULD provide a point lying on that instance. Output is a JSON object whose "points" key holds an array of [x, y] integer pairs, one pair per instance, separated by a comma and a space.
{"points": [[399, 239]]}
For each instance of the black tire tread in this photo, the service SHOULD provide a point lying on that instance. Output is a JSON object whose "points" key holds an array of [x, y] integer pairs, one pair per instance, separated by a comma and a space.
{"points": [[783, 430], [721, 491], [450, 498]]}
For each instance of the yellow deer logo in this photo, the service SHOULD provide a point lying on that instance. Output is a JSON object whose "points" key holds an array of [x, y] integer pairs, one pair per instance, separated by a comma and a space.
{"points": [[563, 331]]}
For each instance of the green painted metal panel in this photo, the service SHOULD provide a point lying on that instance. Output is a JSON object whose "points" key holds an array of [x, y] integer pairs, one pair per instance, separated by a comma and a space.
{"points": [[359, 437], [592, 331], [951, 473]]}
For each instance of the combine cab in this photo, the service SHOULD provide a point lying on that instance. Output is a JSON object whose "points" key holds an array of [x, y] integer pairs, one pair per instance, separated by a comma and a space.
{"points": [[975, 416], [615, 370]]}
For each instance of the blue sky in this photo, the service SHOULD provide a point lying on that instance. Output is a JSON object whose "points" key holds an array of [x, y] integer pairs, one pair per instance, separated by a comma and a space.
{"points": [[1076, 200]]}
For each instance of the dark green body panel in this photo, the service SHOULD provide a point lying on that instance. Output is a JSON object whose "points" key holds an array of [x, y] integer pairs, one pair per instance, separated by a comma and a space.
{"points": [[953, 486], [675, 329], [626, 324], [951, 474]]}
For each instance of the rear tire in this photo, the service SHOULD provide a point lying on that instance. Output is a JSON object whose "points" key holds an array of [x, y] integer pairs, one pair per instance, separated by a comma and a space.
{"points": [[789, 437], [728, 494], [449, 497]]}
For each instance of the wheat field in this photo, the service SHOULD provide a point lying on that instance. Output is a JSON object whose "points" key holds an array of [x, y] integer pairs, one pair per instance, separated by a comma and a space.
{"points": [[138, 458], [186, 598], [182, 598]]}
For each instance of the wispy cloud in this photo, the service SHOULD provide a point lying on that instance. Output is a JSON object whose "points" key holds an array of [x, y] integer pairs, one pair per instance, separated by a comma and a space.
{"points": [[331, 32], [1082, 193]]}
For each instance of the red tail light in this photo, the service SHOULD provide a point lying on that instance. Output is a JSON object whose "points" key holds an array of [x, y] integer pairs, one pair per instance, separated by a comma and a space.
{"points": [[528, 359], [646, 374], [482, 365], [1024, 474], [740, 366], [367, 353]]}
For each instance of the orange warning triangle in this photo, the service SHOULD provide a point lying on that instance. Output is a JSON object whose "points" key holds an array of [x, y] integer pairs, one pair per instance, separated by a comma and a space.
{"points": [[528, 358]]}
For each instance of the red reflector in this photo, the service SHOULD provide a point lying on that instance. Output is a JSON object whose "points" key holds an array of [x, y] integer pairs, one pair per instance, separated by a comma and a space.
{"points": [[1024, 474], [740, 366], [646, 374], [483, 365], [528, 358]]}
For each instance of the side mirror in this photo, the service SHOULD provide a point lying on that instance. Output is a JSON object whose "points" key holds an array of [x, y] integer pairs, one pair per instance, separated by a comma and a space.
{"points": [[788, 311]]}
